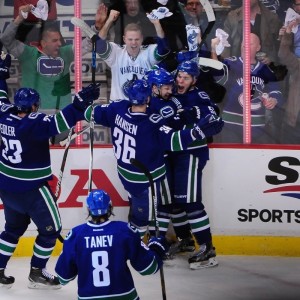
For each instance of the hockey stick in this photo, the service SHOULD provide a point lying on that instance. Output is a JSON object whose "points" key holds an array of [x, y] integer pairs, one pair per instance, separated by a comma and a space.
{"points": [[211, 20], [63, 163], [93, 36], [141, 167], [212, 63], [91, 149], [74, 136], [61, 172], [88, 31], [92, 124], [56, 111]]}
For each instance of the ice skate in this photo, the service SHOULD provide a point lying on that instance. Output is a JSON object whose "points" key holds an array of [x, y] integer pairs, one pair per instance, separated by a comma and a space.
{"points": [[205, 257], [187, 245], [41, 279], [184, 245], [6, 281]]}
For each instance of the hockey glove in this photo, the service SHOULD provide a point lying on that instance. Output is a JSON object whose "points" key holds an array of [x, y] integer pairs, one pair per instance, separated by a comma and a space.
{"points": [[5, 62], [210, 125], [158, 245], [86, 96], [198, 133], [190, 115]]}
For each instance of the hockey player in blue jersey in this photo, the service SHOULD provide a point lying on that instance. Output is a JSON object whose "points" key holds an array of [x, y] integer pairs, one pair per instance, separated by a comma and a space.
{"points": [[163, 102], [266, 98], [138, 133], [185, 174], [162, 84], [97, 252], [24, 171]]}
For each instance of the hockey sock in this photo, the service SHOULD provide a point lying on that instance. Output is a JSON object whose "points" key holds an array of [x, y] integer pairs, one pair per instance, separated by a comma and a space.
{"points": [[8, 245], [200, 226], [42, 251], [181, 225]]}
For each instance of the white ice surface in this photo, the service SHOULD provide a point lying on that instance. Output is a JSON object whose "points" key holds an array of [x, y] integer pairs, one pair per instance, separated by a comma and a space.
{"points": [[236, 277]]}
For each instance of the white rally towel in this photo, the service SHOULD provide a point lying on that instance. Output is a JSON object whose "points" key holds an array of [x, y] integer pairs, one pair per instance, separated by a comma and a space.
{"points": [[223, 36], [192, 33], [291, 15], [159, 13], [41, 10]]}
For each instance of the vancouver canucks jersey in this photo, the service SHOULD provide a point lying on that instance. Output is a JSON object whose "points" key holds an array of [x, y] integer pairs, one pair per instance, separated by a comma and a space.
{"points": [[98, 254], [199, 98], [142, 136], [168, 110], [124, 67], [262, 81], [25, 156]]}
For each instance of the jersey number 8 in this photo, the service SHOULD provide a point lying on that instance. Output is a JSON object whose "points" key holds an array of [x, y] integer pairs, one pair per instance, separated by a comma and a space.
{"points": [[101, 276]]}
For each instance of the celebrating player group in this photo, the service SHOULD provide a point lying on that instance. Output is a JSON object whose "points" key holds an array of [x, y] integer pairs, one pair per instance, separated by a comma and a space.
{"points": [[159, 118]]}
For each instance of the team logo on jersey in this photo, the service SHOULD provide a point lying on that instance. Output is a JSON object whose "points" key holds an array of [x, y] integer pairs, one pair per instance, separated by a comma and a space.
{"points": [[48, 66], [69, 234], [6, 107], [49, 228], [155, 118], [203, 95], [167, 111], [256, 102], [132, 227]]}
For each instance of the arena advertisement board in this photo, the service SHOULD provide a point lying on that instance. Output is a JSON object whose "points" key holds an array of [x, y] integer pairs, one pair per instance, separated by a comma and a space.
{"points": [[253, 191], [250, 192]]}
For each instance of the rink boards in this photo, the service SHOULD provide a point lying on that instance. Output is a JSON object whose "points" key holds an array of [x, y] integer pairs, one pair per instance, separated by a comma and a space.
{"points": [[252, 196]]}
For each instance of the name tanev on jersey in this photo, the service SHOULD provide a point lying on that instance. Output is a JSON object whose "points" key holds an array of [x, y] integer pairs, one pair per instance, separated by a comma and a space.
{"points": [[98, 241]]}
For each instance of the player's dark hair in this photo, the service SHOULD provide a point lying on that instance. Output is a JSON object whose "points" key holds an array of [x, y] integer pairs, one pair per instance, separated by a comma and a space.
{"points": [[102, 218], [99, 219]]}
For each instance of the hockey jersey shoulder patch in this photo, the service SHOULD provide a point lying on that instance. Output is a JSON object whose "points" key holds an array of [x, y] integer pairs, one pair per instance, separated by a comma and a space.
{"points": [[203, 95], [69, 234], [132, 228], [155, 118], [167, 111]]}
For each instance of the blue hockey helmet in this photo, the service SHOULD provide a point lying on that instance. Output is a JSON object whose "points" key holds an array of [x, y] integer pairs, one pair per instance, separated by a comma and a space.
{"points": [[126, 86], [159, 77], [189, 67], [139, 92], [25, 98], [99, 203]]}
